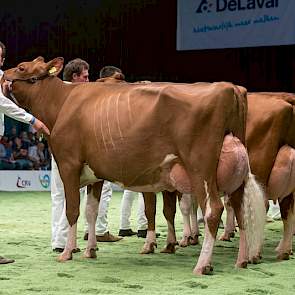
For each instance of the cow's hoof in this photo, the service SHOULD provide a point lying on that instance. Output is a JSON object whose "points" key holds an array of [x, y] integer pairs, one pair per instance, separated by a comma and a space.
{"points": [[242, 264], [63, 257], [255, 259], [225, 237], [90, 253], [185, 241], [283, 256], [204, 270], [195, 240], [149, 248], [232, 234], [169, 249]]}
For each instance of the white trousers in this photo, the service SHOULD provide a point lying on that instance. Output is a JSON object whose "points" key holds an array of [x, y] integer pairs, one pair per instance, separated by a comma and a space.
{"points": [[101, 226], [126, 206], [59, 224], [274, 210]]}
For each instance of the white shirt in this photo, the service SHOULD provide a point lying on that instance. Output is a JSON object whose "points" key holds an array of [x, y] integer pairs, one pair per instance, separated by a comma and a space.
{"points": [[11, 110]]}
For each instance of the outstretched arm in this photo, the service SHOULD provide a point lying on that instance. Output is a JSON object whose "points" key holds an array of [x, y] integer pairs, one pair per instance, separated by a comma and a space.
{"points": [[10, 109]]}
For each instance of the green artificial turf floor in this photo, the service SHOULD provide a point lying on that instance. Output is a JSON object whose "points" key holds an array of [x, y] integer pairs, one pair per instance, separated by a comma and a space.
{"points": [[119, 268]]}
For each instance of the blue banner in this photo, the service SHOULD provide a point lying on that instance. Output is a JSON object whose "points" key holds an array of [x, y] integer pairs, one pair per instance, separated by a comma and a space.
{"points": [[208, 24]]}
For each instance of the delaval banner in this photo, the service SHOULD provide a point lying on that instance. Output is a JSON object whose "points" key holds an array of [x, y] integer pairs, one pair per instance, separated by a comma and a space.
{"points": [[208, 24]]}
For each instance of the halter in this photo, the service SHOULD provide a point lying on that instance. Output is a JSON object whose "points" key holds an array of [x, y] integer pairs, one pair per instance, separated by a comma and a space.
{"points": [[31, 80]]}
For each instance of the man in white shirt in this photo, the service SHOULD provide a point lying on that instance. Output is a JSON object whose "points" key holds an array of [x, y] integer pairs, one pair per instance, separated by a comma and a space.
{"points": [[10, 109]]}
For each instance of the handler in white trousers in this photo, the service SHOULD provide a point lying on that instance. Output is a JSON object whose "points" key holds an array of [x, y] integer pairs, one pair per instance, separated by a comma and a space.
{"points": [[101, 226], [10, 109], [60, 223], [126, 206]]}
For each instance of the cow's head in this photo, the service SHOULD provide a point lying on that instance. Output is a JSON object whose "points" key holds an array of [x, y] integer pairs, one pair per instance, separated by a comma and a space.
{"points": [[29, 73], [34, 70]]}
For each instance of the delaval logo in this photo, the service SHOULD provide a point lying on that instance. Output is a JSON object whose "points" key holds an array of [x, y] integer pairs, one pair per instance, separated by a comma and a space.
{"points": [[45, 180], [204, 6], [235, 5], [22, 183]]}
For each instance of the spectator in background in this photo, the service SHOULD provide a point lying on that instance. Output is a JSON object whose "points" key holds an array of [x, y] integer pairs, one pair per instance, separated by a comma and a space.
{"points": [[12, 133], [25, 139], [21, 155], [6, 159], [37, 156]]}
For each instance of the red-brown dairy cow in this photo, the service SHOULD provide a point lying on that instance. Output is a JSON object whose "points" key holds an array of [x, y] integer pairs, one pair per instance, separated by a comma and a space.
{"points": [[149, 138], [270, 140]]}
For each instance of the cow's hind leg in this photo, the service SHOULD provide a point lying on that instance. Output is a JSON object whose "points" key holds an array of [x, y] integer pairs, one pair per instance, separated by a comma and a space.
{"points": [[169, 210], [93, 197], [236, 200], [284, 249], [212, 208], [150, 213]]}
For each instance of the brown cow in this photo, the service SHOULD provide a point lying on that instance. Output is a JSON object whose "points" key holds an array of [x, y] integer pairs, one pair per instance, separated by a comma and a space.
{"points": [[149, 138], [271, 141]]}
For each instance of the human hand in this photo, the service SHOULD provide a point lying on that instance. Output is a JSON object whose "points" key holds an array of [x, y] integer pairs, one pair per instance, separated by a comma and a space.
{"points": [[40, 127], [6, 87]]}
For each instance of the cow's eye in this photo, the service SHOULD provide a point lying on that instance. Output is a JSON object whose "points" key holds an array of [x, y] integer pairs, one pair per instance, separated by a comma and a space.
{"points": [[21, 68]]}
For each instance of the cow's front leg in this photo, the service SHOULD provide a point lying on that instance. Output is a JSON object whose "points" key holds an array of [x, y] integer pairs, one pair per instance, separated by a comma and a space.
{"points": [[194, 224], [169, 210], [284, 249], [70, 175], [150, 213], [212, 208], [93, 197], [71, 244]]}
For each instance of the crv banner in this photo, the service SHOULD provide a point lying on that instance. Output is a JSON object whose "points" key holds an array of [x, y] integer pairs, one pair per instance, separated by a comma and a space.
{"points": [[208, 24]]}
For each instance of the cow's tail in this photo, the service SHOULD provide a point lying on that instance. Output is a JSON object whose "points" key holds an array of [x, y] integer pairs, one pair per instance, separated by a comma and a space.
{"points": [[254, 215]]}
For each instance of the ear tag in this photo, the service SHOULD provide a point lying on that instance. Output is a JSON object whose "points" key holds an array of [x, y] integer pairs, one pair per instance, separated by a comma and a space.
{"points": [[52, 71]]}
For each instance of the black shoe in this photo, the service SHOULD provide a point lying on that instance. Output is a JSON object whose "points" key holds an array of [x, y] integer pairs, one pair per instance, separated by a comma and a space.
{"points": [[142, 233], [126, 232], [60, 250]]}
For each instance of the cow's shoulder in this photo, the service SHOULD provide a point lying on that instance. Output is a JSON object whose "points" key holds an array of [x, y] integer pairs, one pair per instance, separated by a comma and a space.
{"points": [[270, 104], [268, 114]]}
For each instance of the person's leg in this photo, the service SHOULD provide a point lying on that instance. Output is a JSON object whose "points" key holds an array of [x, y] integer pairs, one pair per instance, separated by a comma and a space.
{"points": [[59, 224], [102, 233], [141, 218], [274, 210], [102, 218], [126, 205]]}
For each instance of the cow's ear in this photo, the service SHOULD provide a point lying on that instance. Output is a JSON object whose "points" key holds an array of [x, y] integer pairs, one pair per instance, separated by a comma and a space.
{"points": [[39, 58], [55, 66]]}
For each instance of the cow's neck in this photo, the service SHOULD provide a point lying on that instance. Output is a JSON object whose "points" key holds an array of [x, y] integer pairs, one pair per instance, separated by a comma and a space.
{"points": [[44, 99]]}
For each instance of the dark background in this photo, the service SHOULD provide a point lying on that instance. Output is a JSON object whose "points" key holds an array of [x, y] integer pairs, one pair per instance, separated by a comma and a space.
{"points": [[139, 36]]}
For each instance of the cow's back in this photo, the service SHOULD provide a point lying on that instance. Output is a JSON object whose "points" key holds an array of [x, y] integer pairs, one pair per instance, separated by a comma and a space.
{"points": [[150, 121]]}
